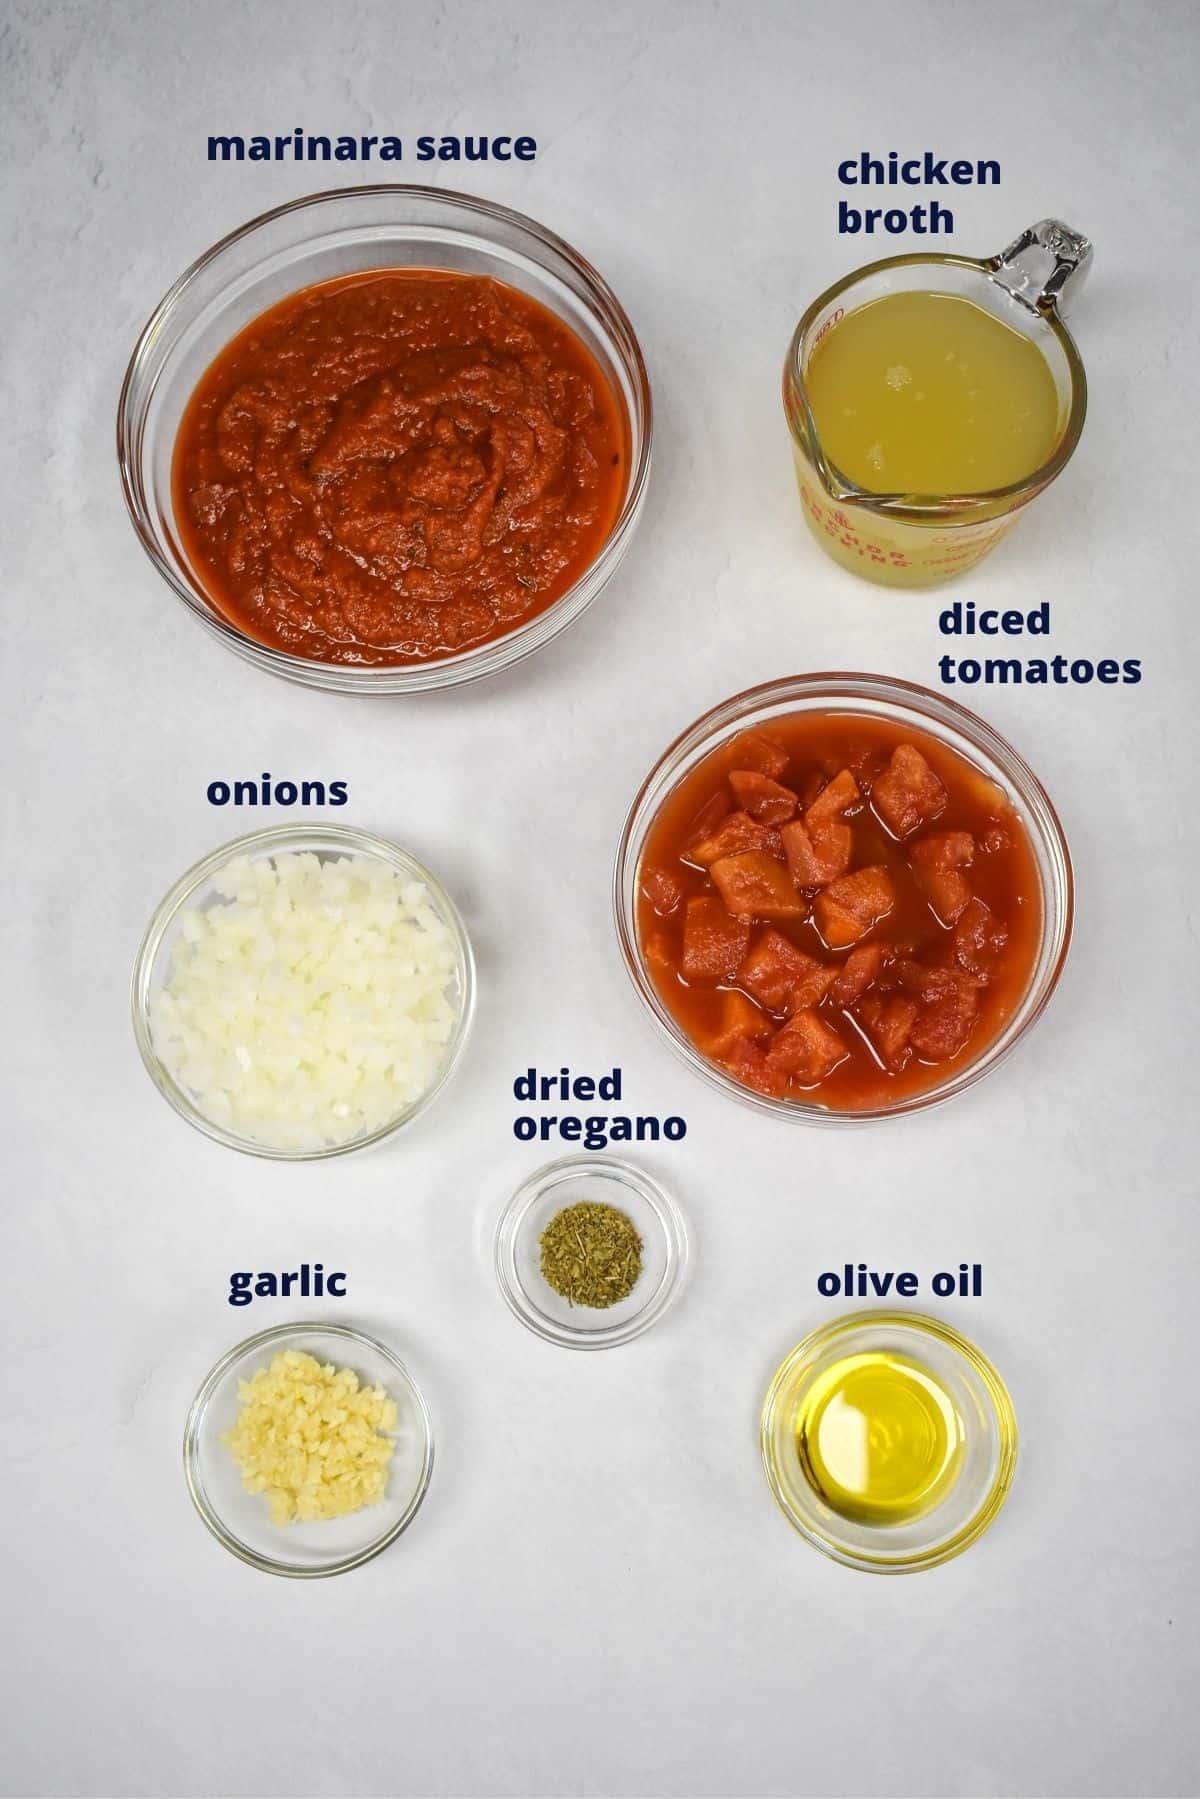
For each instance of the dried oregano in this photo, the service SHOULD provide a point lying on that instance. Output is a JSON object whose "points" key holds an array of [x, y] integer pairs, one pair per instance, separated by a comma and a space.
{"points": [[591, 1254]]}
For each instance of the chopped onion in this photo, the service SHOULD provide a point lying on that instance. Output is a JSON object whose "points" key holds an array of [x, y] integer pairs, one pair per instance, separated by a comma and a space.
{"points": [[312, 1007]]}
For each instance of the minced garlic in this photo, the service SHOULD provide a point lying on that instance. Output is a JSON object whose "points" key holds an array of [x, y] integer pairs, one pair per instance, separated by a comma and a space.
{"points": [[311, 1438]]}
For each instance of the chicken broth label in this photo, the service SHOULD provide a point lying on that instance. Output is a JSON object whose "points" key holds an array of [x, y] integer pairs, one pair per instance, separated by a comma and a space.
{"points": [[553, 1118], [858, 1280], [890, 169], [964, 619]]}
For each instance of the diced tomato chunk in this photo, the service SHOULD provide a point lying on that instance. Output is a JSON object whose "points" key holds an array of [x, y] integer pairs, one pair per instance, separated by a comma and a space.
{"points": [[740, 1017], [930, 981], [907, 793], [888, 1020], [949, 894], [979, 940], [782, 977], [708, 818], [937, 862], [762, 797], [755, 885], [714, 944], [944, 1024], [836, 797], [995, 836], [807, 1049], [753, 750], [749, 1064], [861, 967], [819, 846], [816, 859], [866, 763], [658, 953], [850, 906], [948, 1003], [942, 851], [735, 833], [663, 889]]}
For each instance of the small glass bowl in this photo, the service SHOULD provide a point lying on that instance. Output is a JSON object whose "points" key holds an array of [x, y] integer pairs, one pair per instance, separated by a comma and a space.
{"points": [[601, 1180], [242, 1521], [989, 1440], [318, 238], [194, 890], [873, 696]]}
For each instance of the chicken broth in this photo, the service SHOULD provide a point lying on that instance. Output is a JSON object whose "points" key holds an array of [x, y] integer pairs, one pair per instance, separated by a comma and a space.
{"points": [[926, 393]]}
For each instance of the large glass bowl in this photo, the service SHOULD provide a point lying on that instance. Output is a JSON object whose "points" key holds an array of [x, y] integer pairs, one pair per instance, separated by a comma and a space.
{"points": [[195, 891], [872, 696], [317, 239], [241, 1521]]}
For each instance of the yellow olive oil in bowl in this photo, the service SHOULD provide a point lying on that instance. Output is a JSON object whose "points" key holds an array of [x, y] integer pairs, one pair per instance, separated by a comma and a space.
{"points": [[889, 1441], [879, 1438]]}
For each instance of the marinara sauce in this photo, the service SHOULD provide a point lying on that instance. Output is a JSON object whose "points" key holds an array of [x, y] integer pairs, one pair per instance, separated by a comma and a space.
{"points": [[395, 466], [839, 909]]}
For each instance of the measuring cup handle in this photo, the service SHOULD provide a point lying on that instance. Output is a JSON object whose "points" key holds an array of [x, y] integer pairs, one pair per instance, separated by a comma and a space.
{"points": [[1044, 266]]}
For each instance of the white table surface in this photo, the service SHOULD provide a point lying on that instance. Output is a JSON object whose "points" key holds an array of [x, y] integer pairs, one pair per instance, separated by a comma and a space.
{"points": [[600, 1596]]}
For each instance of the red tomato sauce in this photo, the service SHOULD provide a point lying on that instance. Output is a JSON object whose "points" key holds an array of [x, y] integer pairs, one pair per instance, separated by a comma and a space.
{"points": [[839, 909], [393, 467]]}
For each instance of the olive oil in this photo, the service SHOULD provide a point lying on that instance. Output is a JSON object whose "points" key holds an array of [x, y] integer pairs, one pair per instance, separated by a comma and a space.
{"points": [[928, 394], [879, 1438]]}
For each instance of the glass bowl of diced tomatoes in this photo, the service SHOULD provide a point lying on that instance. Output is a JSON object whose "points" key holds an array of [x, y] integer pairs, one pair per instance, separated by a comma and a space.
{"points": [[843, 897]]}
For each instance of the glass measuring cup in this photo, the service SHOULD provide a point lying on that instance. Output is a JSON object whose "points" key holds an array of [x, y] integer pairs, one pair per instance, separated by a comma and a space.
{"points": [[918, 540]]}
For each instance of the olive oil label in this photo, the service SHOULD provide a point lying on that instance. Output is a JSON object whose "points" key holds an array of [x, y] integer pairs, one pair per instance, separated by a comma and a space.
{"points": [[858, 1280]]}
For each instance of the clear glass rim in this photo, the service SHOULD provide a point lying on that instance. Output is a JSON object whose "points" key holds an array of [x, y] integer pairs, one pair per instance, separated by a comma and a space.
{"points": [[841, 689], [941, 509], [276, 837], [191, 1440], [660, 1202], [468, 665], [918, 1324]]}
